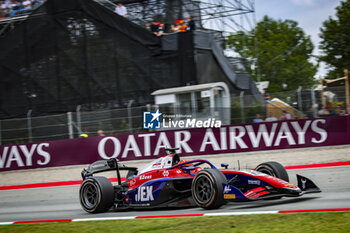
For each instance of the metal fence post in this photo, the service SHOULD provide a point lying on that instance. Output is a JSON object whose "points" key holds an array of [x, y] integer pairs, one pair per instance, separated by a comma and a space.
{"points": [[70, 125], [78, 119], [347, 95], [313, 104], [130, 115], [300, 104], [241, 98], [29, 125]]}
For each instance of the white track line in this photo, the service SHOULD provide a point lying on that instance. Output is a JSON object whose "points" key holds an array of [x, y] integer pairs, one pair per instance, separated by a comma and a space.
{"points": [[172, 216]]}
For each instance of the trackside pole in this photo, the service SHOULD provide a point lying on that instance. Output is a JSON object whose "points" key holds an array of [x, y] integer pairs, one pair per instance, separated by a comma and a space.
{"points": [[130, 115], [29, 125], [323, 99], [78, 119], [70, 125], [300, 103], [313, 100], [347, 98], [241, 98]]}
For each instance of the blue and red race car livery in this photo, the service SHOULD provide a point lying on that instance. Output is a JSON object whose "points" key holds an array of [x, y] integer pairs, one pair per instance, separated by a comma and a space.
{"points": [[170, 182]]}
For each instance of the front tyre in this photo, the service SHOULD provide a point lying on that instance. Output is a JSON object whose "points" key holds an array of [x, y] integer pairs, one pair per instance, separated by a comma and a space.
{"points": [[273, 169], [207, 188], [96, 194]]}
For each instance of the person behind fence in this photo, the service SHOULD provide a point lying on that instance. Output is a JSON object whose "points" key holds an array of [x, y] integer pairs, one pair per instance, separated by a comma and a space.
{"points": [[84, 134], [270, 117], [161, 30], [6, 8], [27, 6], [2, 13], [180, 26], [191, 25], [338, 111], [266, 94], [154, 27], [310, 113], [257, 119], [100, 132], [121, 10], [16, 8], [175, 27], [10, 8], [324, 112], [286, 115]]}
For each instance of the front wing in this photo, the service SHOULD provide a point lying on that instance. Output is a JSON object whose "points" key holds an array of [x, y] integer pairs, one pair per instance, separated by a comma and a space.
{"points": [[305, 186]]}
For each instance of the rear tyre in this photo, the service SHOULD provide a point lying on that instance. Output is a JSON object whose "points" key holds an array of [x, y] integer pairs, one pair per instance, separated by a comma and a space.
{"points": [[207, 188], [273, 169], [96, 194]]}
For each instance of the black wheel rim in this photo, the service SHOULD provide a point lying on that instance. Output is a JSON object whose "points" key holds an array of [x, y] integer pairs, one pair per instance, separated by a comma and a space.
{"points": [[90, 195], [203, 189]]}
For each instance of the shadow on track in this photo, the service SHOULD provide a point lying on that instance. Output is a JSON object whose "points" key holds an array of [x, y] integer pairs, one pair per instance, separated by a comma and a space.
{"points": [[260, 204]]}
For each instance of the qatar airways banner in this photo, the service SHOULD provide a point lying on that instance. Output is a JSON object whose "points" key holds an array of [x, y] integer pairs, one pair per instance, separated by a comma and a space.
{"points": [[199, 141]]}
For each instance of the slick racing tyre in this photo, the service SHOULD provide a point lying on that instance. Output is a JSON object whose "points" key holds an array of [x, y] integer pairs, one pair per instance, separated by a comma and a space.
{"points": [[273, 169], [207, 188], [96, 194]]}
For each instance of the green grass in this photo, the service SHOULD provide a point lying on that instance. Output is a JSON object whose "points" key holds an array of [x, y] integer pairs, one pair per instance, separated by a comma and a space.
{"points": [[302, 222]]}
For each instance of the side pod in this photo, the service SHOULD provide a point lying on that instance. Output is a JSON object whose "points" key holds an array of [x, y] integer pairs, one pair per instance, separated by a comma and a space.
{"points": [[306, 185]]}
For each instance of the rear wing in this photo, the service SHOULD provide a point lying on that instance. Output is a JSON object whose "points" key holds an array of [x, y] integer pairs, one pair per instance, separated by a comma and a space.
{"points": [[108, 165]]}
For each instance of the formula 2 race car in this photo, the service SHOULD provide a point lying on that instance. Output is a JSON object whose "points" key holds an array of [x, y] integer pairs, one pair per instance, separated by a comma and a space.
{"points": [[170, 182]]}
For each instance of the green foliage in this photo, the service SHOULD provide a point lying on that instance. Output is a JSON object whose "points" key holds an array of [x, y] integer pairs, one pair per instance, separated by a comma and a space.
{"points": [[124, 127], [280, 53], [335, 104], [249, 112], [236, 113], [254, 109], [335, 41]]}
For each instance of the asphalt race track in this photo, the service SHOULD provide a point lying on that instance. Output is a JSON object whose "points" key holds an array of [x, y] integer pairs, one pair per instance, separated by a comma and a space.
{"points": [[63, 202]]}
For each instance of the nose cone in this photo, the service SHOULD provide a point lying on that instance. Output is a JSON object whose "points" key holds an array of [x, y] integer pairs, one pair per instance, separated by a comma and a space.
{"points": [[295, 191]]}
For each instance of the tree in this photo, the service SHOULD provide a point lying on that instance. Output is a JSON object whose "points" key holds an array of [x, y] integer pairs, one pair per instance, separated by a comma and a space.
{"points": [[335, 41], [279, 52]]}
